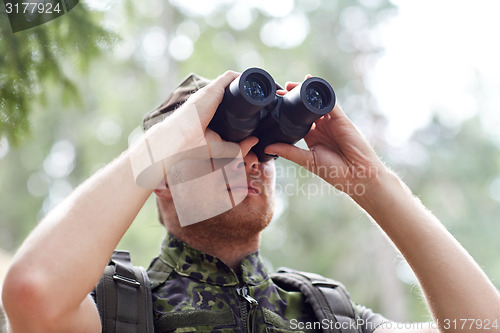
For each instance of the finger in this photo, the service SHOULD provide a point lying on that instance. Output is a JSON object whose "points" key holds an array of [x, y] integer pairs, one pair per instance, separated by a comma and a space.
{"points": [[222, 81], [214, 89], [336, 113], [212, 136], [290, 85], [290, 152], [207, 99], [247, 144], [321, 119], [339, 117]]}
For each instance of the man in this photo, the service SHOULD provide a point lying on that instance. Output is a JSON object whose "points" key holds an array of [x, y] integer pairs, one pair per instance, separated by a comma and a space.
{"points": [[47, 287]]}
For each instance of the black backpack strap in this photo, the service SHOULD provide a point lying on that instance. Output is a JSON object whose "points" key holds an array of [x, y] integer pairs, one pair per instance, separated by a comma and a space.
{"points": [[123, 297], [328, 298]]}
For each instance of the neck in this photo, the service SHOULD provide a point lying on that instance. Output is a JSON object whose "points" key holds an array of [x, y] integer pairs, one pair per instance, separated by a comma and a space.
{"points": [[230, 236], [230, 250]]}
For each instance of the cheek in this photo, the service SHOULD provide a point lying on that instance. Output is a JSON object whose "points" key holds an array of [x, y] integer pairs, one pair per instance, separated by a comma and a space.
{"points": [[268, 174]]}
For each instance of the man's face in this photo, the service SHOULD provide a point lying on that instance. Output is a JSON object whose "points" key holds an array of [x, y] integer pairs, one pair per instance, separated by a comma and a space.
{"points": [[261, 180], [247, 182], [256, 210]]}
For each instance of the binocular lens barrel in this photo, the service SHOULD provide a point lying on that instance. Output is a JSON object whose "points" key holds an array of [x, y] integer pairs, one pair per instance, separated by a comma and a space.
{"points": [[254, 89], [314, 98], [251, 107], [239, 113], [309, 101]]}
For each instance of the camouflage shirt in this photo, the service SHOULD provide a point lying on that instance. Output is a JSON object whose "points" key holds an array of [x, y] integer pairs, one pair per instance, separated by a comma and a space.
{"points": [[196, 292]]}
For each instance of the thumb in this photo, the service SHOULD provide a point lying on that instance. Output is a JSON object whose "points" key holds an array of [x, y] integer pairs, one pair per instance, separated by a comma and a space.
{"points": [[290, 152]]}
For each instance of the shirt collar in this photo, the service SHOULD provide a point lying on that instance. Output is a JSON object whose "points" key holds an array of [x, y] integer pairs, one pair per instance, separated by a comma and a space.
{"points": [[203, 267]]}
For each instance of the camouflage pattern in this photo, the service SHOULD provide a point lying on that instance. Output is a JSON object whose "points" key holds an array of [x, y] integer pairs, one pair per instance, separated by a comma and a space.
{"points": [[196, 292], [174, 100], [203, 287]]}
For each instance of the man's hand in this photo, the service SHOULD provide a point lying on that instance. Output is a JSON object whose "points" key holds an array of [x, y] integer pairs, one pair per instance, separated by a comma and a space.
{"points": [[206, 101], [338, 153], [185, 135], [193, 117], [454, 285], [46, 288]]}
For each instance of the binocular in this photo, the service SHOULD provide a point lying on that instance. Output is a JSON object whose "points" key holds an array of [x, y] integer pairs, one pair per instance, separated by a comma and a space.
{"points": [[250, 106]]}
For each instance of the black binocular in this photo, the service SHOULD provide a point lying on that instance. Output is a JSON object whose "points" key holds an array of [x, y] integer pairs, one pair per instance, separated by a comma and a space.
{"points": [[250, 106]]}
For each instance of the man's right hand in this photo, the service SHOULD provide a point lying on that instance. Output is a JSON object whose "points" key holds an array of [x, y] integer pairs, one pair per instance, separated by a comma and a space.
{"points": [[205, 102], [185, 135], [46, 288]]}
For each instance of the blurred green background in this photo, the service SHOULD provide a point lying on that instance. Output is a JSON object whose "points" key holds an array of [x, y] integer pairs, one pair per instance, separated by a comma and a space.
{"points": [[73, 92]]}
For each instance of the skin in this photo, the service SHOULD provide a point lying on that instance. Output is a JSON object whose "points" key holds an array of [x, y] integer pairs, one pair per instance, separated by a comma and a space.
{"points": [[47, 286], [239, 228]]}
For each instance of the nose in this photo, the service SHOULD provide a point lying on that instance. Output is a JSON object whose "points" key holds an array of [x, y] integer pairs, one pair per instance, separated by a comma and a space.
{"points": [[251, 163]]}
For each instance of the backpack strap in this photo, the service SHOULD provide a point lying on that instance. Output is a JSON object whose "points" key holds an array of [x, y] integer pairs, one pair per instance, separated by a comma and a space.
{"points": [[123, 297], [328, 298]]}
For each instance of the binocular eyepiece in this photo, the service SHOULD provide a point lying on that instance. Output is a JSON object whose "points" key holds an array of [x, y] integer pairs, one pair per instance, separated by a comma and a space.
{"points": [[250, 106]]}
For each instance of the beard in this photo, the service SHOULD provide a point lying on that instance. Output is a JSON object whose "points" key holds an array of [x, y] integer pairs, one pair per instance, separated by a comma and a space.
{"points": [[242, 223]]}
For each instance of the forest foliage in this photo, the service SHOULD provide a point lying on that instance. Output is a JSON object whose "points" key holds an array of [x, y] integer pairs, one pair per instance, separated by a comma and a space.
{"points": [[73, 92]]}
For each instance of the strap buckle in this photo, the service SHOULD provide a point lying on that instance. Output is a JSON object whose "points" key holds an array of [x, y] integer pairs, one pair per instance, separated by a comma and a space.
{"points": [[126, 280]]}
